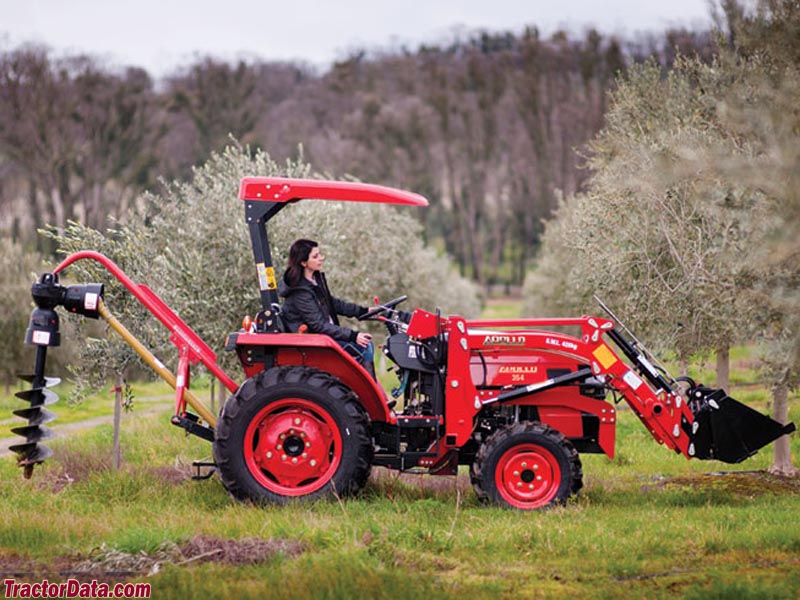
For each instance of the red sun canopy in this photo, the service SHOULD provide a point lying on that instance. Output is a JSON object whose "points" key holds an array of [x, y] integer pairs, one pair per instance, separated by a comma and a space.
{"points": [[282, 189]]}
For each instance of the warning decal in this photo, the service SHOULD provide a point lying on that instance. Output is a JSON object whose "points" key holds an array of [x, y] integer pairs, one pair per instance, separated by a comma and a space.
{"points": [[604, 356], [263, 281], [271, 285]]}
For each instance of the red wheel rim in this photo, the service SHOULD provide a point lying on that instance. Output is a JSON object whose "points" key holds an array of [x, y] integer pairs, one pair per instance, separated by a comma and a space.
{"points": [[292, 447], [527, 476]]}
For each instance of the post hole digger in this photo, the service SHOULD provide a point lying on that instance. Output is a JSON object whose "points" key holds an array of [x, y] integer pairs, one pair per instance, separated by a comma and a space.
{"points": [[516, 400]]}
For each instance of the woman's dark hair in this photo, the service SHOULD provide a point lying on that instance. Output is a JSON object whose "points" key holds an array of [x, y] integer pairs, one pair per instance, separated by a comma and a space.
{"points": [[298, 254]]}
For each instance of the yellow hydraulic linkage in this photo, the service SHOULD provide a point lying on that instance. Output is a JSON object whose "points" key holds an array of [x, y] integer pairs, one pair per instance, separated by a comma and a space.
{"points": [[156, 364]]}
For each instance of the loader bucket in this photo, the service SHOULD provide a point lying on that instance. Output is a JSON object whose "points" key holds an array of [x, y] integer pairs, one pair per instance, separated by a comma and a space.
{"points": [[727, 430]]}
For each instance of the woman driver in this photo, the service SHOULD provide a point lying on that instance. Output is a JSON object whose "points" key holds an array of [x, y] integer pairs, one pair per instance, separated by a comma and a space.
{"points": [[307, 300]]}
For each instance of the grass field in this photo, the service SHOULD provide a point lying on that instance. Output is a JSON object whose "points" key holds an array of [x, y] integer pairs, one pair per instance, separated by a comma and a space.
{"points": [[648, 524]]}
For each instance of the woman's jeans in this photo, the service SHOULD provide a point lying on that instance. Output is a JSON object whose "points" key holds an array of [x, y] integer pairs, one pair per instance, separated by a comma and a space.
{"points": [[365, 356], [360, 353]]}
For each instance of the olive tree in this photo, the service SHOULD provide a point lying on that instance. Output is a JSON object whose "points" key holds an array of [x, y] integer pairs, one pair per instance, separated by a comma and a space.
{"points": [[668, 252], [766, 118]]}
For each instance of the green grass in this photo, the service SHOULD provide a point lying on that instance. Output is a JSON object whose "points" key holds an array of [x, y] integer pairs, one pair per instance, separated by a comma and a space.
{"points": [[502, 308], [632, 532]]}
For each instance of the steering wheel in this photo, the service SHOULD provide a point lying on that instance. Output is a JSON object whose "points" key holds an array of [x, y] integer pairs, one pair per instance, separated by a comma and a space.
{"points": [[374, 312]]}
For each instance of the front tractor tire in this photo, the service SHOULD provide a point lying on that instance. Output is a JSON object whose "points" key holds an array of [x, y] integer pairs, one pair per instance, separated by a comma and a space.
{"points": [[289, 433], [526, 466]]}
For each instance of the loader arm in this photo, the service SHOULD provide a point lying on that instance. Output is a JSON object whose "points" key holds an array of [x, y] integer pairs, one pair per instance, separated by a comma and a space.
{"points": [[663, 411], [705, 423], [716, 426]]}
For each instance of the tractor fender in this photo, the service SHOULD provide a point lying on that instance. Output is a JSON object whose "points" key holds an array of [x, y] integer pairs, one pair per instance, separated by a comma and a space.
{"points": [[260, 351]]}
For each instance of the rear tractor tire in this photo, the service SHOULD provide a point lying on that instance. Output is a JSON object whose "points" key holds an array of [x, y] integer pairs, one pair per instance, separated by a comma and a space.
{"points": [[289, 433], [526, 466]]}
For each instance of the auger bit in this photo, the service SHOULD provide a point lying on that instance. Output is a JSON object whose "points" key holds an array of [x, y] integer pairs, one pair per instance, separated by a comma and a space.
{"points": [[43, 333]]}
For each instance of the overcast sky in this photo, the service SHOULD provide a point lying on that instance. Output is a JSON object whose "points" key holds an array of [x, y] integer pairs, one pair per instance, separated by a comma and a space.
{"points": [[162, 34]]}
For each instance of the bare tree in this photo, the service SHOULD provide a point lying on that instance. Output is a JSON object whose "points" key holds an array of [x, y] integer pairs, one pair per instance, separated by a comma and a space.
{"points": [[218, 100], [16, 275], [37, 131], [115, 130]]}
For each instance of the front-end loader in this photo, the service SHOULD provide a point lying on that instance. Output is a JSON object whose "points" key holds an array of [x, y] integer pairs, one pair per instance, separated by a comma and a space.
{"points": [[516, 400]]}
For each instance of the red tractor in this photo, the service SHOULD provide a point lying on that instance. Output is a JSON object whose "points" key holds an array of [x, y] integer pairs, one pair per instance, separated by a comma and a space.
{"points": [[516, 400]]}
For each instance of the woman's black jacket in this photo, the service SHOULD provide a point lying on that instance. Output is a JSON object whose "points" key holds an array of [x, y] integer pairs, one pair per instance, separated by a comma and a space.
{"points": [[314, 306]]}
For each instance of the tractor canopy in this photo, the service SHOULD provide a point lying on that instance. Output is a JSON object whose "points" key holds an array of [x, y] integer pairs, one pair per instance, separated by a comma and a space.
{"points": [[265, 197], [282, 190]]}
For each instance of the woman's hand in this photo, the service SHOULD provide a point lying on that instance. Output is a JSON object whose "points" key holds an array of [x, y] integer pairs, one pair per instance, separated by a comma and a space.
{"points": [[363, 339]]}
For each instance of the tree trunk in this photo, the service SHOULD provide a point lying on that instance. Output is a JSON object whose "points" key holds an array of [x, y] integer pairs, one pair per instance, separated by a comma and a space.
{"points": [[782, 457], [683, 366], [58, 210], [222, 393], [724, 368], [116, 454], [40, 217], [476, 246], [95, 216], [211, 395]]}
